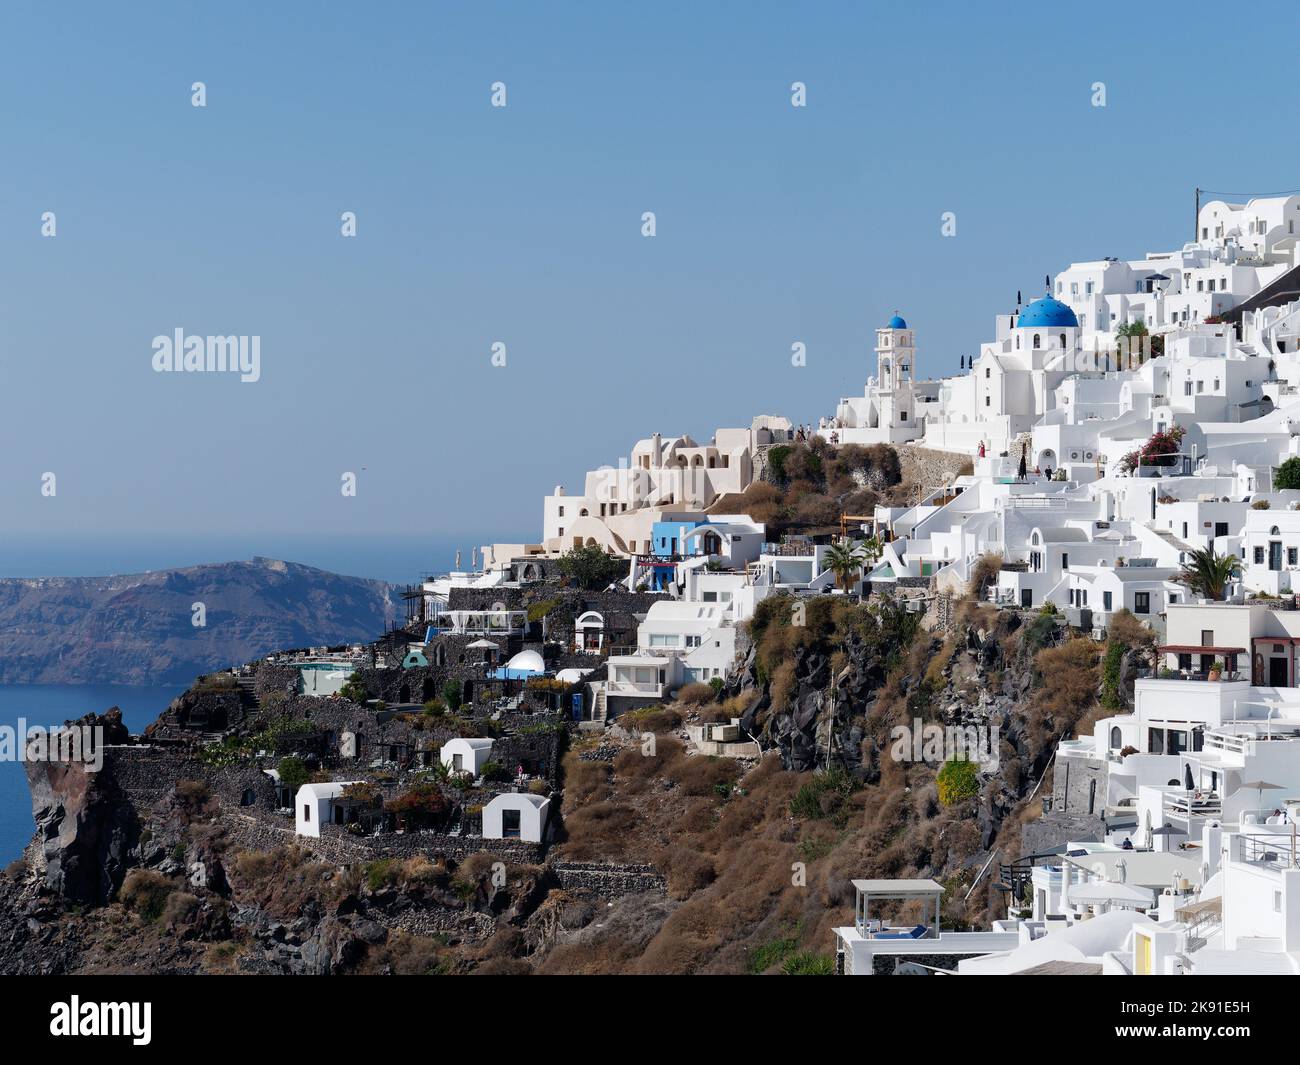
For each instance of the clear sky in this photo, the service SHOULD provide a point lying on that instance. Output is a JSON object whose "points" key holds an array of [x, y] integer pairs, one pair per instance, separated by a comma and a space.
{"points": [[522, 225]]}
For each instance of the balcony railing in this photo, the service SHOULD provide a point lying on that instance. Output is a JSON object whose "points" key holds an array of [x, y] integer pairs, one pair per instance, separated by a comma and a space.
{"points": [[1277, 851], [627, 687], [1185, 805], [797, 549]]}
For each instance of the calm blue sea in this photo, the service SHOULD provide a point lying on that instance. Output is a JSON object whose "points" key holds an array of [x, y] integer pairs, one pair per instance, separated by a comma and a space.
{"points": [[52, 704]]}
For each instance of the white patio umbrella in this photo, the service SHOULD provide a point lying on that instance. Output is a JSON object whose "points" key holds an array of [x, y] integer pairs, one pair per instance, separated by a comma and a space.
{"points": [[1107, 891], [1261, 786]]}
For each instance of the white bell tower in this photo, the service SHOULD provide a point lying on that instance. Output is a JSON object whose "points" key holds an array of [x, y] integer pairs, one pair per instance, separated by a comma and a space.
{"points": [[895, 355]]}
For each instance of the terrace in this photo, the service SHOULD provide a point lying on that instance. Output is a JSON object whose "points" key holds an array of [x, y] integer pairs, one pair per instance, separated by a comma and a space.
{"points": [[895, 890]]}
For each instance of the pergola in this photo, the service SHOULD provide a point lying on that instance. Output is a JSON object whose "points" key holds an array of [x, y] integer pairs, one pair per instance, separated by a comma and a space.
{"points": [[1272, 645], [894, 890], [1228, 654]]}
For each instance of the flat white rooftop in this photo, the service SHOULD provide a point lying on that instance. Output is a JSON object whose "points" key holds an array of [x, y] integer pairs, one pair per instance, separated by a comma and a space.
{"points": [[898, 888]]}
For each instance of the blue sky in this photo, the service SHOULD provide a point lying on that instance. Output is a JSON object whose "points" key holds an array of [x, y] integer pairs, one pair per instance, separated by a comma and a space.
{"points": [[522, 225]]}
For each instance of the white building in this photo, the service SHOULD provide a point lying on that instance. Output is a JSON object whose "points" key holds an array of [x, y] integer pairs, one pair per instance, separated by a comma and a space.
{"points": [[516, 815], [467, 756], [891, 409], [318, 804], [665, 479]]}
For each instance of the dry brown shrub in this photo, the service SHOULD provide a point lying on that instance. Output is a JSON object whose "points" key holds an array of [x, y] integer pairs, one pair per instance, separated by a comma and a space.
{"points": [[697, 694], [687, 871], [599, 832], [1125, 627], [783, 681], [701, 774], [631, 764], [584, 781]]}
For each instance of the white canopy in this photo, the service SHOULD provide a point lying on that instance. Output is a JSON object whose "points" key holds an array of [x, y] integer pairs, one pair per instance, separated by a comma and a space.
{"points": [[1109, 891]]}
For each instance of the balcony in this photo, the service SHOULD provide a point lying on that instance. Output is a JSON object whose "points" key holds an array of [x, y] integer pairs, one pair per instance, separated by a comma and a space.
{"points": [[631, 687], [1186, 805], [792, 549], [1274, 851]]}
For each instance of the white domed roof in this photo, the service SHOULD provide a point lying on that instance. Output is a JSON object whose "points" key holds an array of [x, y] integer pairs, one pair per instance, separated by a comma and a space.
{"points": [[530, 660]]}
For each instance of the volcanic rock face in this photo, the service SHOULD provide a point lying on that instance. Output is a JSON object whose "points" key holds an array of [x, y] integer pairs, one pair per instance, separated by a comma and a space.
{"points": [[139, 629], [85, 828]]}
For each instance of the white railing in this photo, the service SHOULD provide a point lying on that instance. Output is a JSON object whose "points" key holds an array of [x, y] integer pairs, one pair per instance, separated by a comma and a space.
{"points": [[1185, 805], [627, 687], [1232, 742]]}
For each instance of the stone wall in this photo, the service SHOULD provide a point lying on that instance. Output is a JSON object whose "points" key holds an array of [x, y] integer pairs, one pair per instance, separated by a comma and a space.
{"points": [[260, 831], [1053, 831], [608, 880], [1079, 786], [147, 773]]}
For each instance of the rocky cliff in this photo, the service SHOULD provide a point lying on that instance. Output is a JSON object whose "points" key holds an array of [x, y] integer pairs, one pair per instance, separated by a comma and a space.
{"points": [[665, 860], [139, 629]]}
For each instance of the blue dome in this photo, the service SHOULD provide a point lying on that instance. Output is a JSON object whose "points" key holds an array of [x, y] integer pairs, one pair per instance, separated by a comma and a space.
{"points": [[1048, 313], [896, 323]]}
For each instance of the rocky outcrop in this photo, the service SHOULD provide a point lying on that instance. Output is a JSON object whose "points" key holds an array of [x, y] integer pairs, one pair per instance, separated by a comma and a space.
{"points": [[85, 830]]}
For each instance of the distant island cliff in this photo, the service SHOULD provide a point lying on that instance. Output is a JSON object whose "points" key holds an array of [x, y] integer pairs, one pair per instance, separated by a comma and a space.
{"points": [[139, 628]]}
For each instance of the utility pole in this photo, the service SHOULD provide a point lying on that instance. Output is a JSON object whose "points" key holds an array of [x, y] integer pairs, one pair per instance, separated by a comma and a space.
{"points": [[1196, 218]]}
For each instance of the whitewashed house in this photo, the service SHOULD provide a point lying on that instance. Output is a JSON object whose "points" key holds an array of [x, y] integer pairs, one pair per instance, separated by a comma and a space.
{"points": [[317, 804], [516, 815], [466, 755]]}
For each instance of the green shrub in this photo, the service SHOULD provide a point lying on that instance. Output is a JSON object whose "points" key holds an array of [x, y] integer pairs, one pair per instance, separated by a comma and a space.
{"points": [[382, 873], [539, 610], [1288, 475], [590, 567], [823, 796], [958, 779], [772, 953], [293, 773], [1111, 696], [806, 963]]}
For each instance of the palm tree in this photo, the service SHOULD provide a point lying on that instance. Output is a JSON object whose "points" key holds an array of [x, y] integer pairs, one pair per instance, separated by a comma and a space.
{"points": [[845, 561], [1208, 574]]}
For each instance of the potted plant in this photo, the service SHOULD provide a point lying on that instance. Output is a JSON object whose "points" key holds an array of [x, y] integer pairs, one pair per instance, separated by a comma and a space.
{"points": [[1216, 670]]}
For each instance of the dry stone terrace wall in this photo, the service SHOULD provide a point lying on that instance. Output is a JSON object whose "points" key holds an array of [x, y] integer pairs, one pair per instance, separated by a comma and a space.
{"points": [[147, 773], [198, 710], [255, 831], [608, 880], [275, 678]]}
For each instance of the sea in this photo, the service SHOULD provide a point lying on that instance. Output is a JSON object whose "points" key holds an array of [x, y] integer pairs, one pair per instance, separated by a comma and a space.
{"points": [[397, 559]]}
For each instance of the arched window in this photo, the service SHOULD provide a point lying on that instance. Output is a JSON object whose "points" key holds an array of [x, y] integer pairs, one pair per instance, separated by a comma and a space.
{"points": [[1038, 341], [1062, 340], [1116, 739]]}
